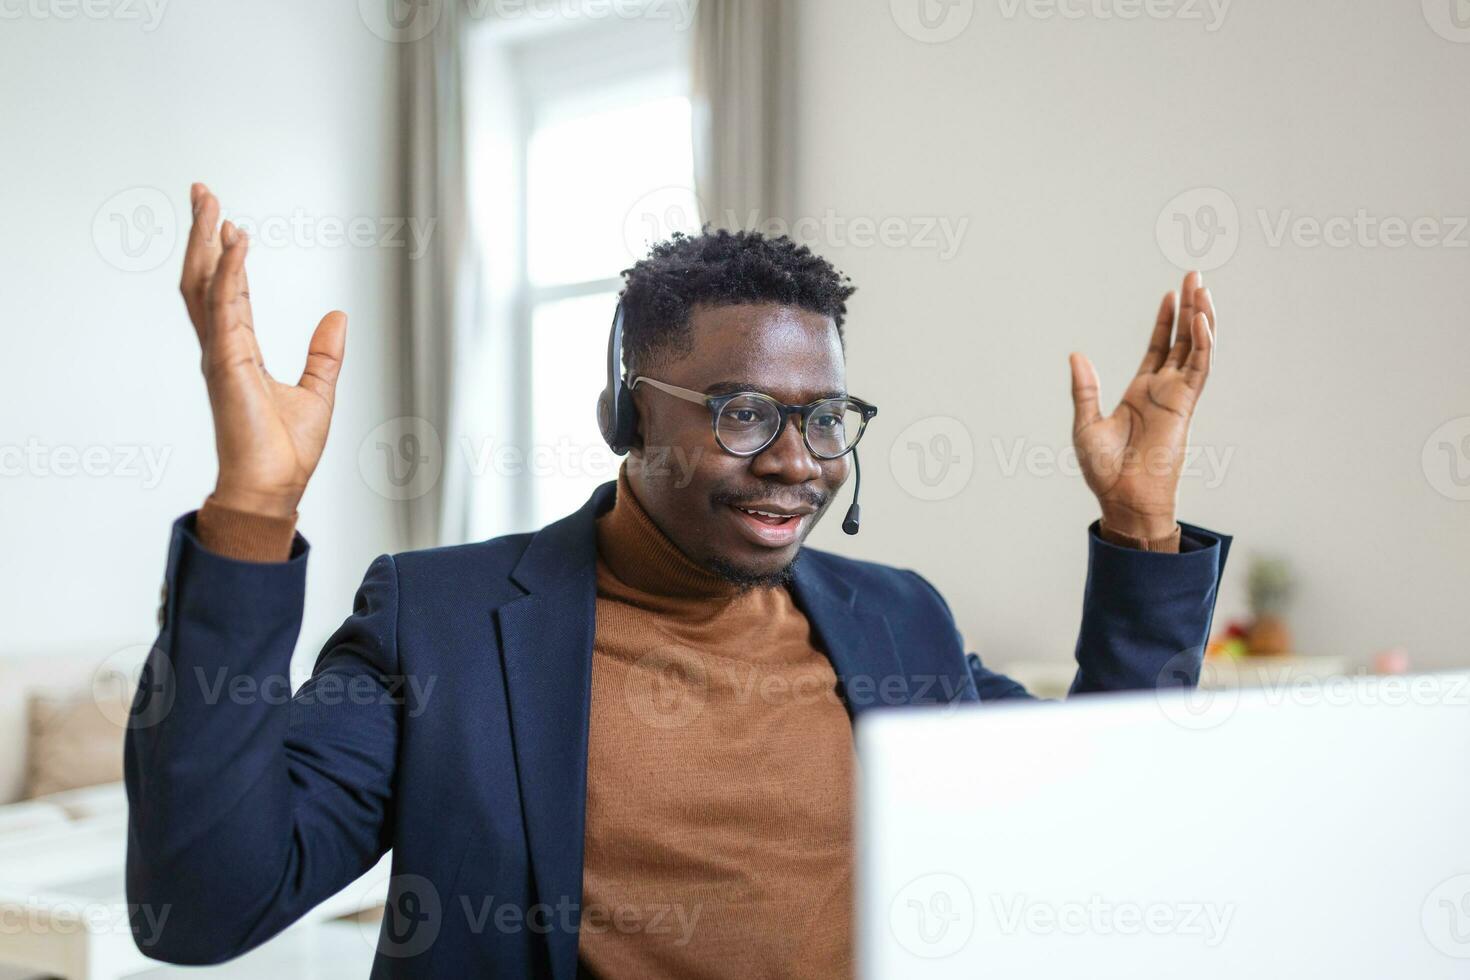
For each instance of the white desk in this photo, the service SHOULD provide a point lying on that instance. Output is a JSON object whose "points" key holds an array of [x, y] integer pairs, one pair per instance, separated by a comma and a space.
{"points": [[63, 913]]}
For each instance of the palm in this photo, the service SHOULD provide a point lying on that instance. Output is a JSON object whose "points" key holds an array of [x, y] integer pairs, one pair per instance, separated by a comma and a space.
{"points": [[1132, 458], [269, 435], [267, 432]]}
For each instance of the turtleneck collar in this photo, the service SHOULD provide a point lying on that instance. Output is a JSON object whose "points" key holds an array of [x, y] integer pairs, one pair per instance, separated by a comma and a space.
{"points": [[642, 556]]}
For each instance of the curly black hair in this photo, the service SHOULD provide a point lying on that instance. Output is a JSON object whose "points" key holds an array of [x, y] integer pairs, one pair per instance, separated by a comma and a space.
{"points": [[720, 268]]}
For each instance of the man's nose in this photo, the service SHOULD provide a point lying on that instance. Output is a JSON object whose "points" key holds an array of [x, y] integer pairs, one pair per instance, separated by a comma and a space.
{"points": [[787, 459]]}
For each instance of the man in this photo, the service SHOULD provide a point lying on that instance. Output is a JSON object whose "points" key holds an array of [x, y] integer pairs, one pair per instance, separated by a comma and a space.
{"points": [[619, 746]]}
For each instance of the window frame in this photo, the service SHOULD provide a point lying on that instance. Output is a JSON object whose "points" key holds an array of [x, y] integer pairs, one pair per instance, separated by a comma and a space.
{"points": [[612, 62]]}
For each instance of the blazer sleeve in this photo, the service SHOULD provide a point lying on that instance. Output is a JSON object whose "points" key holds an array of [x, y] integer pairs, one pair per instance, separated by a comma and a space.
{"points": [[247, 805], [1146, 616]]}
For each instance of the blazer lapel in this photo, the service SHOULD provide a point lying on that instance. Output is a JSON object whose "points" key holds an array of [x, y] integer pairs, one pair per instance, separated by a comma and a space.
{"points": [[546, 638], [857, 641], [546, 641]]}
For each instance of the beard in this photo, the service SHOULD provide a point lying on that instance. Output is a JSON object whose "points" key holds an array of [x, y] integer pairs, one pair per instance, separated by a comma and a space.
{"points": [[746, 580]]}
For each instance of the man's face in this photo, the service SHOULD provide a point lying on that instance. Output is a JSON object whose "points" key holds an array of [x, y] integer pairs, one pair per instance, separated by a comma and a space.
{"points": [[698, 494]]}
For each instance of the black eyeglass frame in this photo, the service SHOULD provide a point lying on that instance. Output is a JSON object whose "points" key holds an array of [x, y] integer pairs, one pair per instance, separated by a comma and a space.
{"points": [[716, 404]]}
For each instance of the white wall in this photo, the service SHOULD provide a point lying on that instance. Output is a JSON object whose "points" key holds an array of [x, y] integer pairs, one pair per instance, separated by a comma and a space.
{"points": [[279, 106], [1061, 141], [1058, 141]]}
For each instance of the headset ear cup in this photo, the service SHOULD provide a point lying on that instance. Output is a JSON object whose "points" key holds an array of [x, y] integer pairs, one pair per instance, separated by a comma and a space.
{"points": [[604, 417], [627, 429], [617, 417]]}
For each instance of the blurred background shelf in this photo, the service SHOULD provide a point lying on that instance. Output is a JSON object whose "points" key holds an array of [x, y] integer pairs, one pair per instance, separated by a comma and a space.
{"points": [[1051, 679]]}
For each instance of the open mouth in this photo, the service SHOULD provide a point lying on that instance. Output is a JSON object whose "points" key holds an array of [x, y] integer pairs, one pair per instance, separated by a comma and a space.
{"points": [[768, 517], [769, 528]]}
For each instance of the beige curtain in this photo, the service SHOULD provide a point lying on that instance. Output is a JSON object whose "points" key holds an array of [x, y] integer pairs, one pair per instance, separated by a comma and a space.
{"points": [[440, 292], [744, 130]]}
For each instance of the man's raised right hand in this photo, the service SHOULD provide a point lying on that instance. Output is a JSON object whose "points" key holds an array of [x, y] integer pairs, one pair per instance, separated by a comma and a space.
{"points": [[268, 435]]}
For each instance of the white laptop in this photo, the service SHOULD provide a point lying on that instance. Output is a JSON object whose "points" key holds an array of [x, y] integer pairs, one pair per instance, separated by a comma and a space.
{"points": [[1319, 829]]}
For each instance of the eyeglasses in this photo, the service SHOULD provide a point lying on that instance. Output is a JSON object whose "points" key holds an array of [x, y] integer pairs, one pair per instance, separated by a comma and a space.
{"points": [[747, 422]]}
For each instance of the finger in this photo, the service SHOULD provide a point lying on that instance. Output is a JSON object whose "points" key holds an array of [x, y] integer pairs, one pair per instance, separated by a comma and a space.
{"points": [[1205, 303], [1201, 354], [201, 255], [324, 356], [1085, 393], [244, 293], [230, 320], [1158, 344], [1180, 350]]}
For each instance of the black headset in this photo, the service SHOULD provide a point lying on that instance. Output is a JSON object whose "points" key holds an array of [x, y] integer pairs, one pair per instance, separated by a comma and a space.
{"points": [[617, 416]]}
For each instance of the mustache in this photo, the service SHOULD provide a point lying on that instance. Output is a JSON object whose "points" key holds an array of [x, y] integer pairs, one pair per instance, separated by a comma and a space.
{"points": [[775, 493]]}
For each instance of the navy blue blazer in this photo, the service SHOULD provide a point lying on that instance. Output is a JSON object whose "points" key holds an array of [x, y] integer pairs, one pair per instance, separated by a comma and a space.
{"points": [[447, 720]]}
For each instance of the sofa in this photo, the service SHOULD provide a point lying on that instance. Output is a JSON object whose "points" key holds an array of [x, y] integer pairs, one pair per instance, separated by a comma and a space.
{"points": [[63, 822]]}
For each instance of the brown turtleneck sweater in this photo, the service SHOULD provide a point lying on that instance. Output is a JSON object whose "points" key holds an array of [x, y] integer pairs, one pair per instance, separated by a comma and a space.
{"points": [[719, 774]]}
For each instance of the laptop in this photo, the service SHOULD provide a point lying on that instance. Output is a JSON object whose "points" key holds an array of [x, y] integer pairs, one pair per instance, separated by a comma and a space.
{"points": [[1315, 829]]}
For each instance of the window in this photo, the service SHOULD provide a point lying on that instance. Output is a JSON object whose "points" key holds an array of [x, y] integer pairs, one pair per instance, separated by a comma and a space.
{"points": [[601, 166]]}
